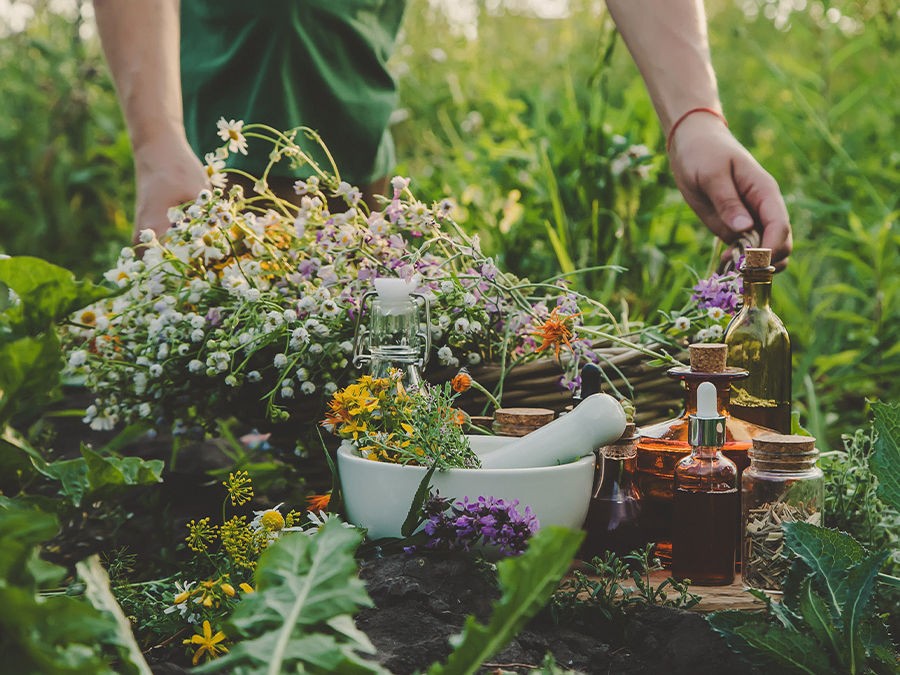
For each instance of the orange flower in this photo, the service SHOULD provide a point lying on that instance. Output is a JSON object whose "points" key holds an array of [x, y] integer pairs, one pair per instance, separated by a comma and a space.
{"points": [[462, 381], [317, 503], [555, 332]]}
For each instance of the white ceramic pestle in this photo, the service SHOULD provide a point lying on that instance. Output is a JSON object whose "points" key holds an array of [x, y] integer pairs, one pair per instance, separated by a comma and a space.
{"points": [[598, 420]]}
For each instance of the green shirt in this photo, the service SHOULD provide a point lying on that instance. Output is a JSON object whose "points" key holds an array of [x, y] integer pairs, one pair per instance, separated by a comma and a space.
{"points": [[286, 63]]}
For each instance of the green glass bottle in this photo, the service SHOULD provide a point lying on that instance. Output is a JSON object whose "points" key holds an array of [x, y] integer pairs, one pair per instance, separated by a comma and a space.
{"points": [[758, 342]]}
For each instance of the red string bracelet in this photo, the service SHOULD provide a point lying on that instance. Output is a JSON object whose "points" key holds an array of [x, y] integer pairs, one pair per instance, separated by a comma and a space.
{"points": [[711, 111]]}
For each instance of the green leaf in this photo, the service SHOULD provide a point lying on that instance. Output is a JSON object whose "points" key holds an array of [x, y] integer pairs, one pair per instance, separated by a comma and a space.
{"points": [[106, 474], [828, 553], [859, 589], [817, 616], [29, 374], [790, 650], [47, 293], [526, 584], [414, 516], [300, 616], [100, 595], [96, 475], [885, 461], [21, 530]]}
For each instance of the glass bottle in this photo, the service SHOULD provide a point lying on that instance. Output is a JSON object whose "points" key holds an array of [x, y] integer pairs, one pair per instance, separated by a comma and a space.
{"points": [[394, 338], [782, 485], [757, 340], [613, 521], [705, 501], [662, 445]]}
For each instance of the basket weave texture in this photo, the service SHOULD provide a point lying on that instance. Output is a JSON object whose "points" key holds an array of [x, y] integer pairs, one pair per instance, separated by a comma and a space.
{"points": [[536, 384]]}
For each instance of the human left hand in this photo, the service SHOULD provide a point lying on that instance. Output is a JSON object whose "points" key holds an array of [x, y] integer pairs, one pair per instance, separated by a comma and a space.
{"points": [[727, 188]]}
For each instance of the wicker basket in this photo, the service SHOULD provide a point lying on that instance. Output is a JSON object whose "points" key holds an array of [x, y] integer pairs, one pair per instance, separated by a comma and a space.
{"points": [[537, 384]]}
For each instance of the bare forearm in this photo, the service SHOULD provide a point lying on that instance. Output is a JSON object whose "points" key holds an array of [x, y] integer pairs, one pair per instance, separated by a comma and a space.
{"points": [[668, 41], [141, 41]]}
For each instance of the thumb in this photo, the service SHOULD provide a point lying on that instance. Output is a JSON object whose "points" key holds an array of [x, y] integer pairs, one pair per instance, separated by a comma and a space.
{"points": [[728, 205]]}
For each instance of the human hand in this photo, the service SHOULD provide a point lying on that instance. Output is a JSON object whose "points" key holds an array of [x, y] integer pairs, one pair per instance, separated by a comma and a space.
{"points": [[727, 188], [168, 173]]}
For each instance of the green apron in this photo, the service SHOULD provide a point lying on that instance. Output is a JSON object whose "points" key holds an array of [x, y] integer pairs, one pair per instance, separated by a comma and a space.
{"points": [[286, 63]]}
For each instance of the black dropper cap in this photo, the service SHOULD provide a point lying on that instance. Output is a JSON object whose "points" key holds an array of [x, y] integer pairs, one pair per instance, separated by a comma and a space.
{"points": [[590, 382]]}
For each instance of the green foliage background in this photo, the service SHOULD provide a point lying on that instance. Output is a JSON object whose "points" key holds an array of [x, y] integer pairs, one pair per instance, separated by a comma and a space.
{"points": [[520, 124]]}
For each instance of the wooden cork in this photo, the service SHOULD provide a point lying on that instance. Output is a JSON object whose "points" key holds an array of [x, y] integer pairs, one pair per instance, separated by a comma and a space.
{"points": [[708, 357], [520, 421], [784, 444], [757, 257]]}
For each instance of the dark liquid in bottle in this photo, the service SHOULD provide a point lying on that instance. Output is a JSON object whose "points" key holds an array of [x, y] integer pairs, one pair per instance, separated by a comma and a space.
{"points": [[777, 417], [613, 526], [704, 533], [656, 464]]}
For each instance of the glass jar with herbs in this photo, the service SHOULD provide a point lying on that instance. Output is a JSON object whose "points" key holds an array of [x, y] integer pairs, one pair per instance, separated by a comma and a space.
{"points": [[781, 485]]}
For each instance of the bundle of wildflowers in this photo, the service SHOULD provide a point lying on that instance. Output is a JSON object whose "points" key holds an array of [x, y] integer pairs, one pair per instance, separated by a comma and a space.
{"points": [[714, 301], [247, 305], [387, 423]]}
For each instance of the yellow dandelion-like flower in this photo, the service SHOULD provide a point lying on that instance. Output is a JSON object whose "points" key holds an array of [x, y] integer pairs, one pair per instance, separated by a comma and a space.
{"points": [[240, 488], [200, 535]]}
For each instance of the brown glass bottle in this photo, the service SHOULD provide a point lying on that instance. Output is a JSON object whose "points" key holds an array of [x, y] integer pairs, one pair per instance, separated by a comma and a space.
{"points": [[613, 521], [705, 525], [758, 341], [662, 445]]}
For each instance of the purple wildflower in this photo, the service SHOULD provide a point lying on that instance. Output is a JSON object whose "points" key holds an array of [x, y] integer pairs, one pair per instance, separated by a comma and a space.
{"points": [[487, 520], [720, 290]]}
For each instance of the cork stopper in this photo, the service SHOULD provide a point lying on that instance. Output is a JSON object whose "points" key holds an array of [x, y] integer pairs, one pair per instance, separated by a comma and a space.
{"points": [[775, 445], [520, 421], [757, 257], [625, 447], [708, 357]]}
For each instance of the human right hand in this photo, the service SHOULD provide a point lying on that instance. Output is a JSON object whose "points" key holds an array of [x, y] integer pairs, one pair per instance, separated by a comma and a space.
{"points": [[727, 188], [168, 173]]}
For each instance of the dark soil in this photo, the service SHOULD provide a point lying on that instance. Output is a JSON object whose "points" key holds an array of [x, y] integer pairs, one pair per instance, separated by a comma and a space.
{"points": [[421, 601]]}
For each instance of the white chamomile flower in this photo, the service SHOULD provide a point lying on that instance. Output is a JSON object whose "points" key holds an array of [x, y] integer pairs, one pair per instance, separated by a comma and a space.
{"points": [[715, 313], [682, 323], [307, 388], [231, 131], [77, 358]]}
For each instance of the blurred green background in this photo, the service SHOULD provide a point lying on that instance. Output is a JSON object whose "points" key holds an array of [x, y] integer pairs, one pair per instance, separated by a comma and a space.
{"points": [[533, 118]]}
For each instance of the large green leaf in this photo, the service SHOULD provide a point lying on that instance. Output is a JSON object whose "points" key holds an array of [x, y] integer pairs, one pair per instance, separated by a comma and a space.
{"points": [[818, 618], [299, 620], [47, 635], [100, 475], [856, 603], [100, 595], [29, 373], [791, 651], [885, 460], [47, 294], [526, 584], [829, 554]]}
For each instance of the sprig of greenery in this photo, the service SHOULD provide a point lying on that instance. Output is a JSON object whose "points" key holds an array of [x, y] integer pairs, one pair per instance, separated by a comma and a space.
{"points": [[612, 584]]}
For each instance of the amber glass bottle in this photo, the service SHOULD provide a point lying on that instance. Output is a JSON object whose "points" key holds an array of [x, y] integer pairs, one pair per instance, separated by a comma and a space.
{"points": [[705, 525], [757, 340], [613, 521], [662, 445]]}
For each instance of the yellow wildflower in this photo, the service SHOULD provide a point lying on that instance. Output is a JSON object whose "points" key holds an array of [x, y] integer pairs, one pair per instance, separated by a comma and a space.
{"points": [[208, 645]]}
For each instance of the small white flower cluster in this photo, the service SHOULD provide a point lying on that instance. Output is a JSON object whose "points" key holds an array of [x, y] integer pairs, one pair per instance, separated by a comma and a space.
{"points": [[248, 304]]}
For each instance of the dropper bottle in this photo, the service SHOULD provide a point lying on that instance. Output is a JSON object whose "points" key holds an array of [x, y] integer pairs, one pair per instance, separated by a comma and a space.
{"points": [[706, 500]]}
